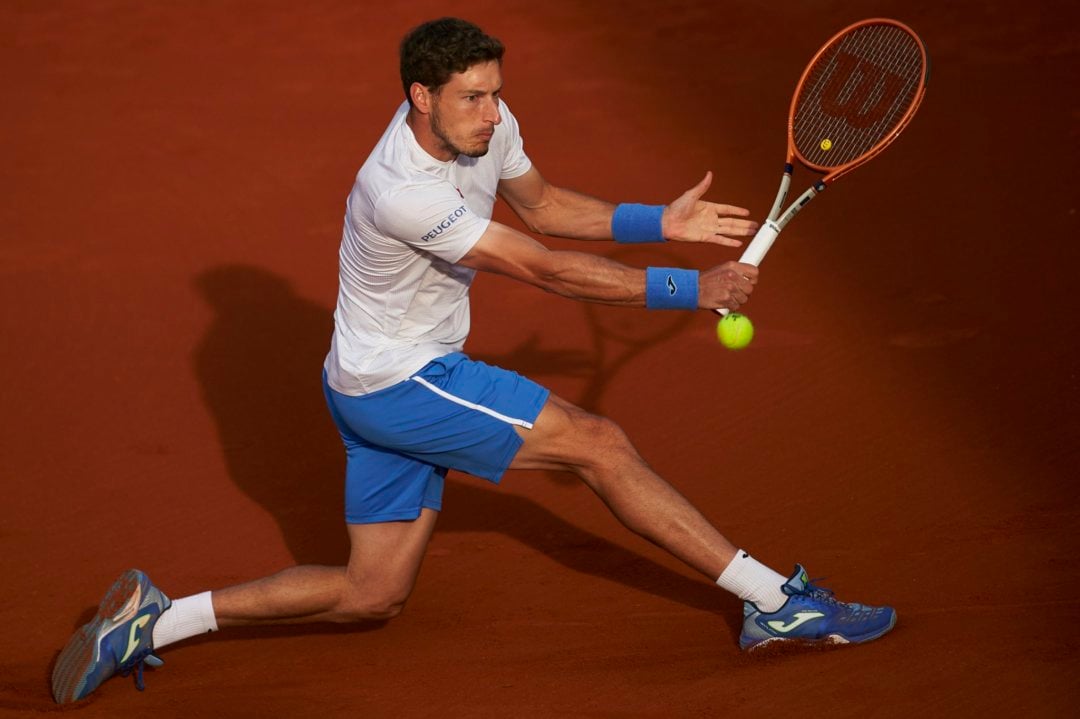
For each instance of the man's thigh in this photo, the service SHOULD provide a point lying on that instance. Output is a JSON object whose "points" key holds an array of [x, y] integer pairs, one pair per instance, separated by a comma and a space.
{"points": [[386, 556], [563, 437]]}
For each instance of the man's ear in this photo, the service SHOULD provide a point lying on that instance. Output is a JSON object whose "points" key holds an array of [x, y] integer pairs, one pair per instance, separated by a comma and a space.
{"points": [[421, 97]]}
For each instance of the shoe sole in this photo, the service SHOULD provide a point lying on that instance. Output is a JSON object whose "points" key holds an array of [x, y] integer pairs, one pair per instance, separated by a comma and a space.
{"points": [[81, 653], [826, 640]]}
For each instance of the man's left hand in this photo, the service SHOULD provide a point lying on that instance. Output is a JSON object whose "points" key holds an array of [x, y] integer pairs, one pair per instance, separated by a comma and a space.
{"points": [[689, 219]]}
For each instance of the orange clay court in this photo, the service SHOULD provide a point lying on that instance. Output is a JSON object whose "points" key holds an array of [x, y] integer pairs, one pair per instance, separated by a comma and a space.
{"points": [[905, 421]]}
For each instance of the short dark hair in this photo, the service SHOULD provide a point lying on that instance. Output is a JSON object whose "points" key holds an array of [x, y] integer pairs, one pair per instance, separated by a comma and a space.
{"points": [[434, 51]]}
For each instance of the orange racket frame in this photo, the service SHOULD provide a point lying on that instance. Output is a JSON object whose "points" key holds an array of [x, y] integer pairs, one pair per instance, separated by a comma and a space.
{"points": [[757, 249], [835, 172]]}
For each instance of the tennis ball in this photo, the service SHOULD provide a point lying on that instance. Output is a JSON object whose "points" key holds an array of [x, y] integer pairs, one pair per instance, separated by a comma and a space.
{"points": [[826, 144], [735, 331]]}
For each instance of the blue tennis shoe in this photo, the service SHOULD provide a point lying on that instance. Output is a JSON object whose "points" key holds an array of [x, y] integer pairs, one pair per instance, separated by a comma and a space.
{"points": [[812, 615], [119, 640]]}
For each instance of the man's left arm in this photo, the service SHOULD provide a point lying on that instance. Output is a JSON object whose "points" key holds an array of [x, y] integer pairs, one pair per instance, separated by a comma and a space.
{"points": [[550, 210]]}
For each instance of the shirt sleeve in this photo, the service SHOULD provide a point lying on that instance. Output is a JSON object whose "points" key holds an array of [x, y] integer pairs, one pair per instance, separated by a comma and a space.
{"points": [[515, 162], [433, 218]]}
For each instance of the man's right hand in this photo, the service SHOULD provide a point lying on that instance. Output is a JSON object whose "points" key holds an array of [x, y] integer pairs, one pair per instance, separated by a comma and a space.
{"points": [[726, 286]]}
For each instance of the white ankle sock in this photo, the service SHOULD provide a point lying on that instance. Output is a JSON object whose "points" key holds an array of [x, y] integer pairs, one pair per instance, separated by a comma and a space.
{"points": [[186, 617], [752, 581]]}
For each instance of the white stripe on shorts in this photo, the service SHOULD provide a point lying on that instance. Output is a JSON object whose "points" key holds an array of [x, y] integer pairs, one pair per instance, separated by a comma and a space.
{"points": [[470, 405]]}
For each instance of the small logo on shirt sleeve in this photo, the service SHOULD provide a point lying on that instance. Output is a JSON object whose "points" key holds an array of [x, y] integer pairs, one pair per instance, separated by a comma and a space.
{"points": [[446, 224]]}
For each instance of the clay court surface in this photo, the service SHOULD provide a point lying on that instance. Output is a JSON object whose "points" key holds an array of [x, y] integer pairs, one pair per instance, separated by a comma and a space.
{"points": [[904, 424]]}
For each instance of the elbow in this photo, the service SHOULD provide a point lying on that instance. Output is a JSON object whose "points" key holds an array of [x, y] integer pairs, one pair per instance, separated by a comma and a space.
{"points": [[534, 223], [538, 218]]}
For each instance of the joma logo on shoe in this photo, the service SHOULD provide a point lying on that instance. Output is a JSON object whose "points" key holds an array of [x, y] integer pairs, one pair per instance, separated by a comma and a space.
{"points": [[798, 619], [133, 636]]}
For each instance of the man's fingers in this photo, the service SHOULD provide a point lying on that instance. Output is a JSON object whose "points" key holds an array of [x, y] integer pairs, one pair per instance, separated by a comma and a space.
{"points": [[742, 270], [738, 228], [730, 210], [722, 240]]}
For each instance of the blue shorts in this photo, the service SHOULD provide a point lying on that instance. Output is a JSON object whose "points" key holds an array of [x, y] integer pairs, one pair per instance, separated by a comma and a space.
{"points": [[400, 441]]}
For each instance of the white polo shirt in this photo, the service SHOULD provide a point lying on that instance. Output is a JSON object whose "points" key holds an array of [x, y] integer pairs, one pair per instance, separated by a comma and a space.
{"points": [[402, 301]]}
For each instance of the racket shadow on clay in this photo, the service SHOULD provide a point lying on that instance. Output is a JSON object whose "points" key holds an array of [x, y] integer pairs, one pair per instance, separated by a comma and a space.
{"points": [[617, 336], [620, 335]]}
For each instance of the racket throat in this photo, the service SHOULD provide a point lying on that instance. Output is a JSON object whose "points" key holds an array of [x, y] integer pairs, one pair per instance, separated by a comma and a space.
{"points": [[782, 193], [804, 198]]}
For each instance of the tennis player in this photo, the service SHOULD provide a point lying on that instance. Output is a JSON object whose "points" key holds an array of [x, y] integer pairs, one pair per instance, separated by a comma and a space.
{"points": [[410, 405]]}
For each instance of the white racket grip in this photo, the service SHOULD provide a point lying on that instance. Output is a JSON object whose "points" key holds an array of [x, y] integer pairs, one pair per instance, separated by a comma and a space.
{"points": [[757, 249], [759, 246]]}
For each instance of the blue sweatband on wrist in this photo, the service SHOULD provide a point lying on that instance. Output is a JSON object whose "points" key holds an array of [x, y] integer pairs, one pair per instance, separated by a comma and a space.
{"points": [[671, 288], [637, 223]]}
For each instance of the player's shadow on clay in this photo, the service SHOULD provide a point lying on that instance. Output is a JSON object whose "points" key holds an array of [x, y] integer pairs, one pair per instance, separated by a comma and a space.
{"points": [[260, 365]]}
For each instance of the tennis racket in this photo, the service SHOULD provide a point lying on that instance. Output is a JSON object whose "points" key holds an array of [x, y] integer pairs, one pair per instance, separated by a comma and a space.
{"points": [[855, 97]]}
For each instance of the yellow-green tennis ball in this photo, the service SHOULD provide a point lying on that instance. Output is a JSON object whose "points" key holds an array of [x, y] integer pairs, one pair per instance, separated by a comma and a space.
{"points": [[735, 331]]}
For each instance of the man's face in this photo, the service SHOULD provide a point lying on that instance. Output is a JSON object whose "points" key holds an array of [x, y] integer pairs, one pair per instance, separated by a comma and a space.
{"points": [[465, 111]]}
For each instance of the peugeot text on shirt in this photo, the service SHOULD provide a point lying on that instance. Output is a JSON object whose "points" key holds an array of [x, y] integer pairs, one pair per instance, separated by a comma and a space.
{"points": [[445, 224]]}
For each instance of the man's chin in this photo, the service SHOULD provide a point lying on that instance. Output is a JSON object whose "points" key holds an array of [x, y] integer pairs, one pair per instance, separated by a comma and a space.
{"points": [[477, 150]]}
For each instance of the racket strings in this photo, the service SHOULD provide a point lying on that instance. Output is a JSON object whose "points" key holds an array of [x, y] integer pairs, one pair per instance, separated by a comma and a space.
{"points": [[857, 92]]}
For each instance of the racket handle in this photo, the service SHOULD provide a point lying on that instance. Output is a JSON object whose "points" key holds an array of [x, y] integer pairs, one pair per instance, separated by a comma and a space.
{"points": [[757, 249], [759, 246]]}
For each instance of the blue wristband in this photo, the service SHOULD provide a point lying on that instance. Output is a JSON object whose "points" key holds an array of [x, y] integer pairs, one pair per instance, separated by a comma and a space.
{"points": [[638, 223], [671, 288]]}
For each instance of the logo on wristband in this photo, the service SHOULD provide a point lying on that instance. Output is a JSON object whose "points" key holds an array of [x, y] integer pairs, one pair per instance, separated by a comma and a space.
{"points": [[671, 288]]}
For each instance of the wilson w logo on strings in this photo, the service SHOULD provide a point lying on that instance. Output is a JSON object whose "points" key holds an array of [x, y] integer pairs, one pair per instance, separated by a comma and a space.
{"points": [[851, 87]]}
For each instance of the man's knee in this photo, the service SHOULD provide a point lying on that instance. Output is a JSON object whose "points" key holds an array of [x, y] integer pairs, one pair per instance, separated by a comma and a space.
{"points": [[605, 433], [363, 604], [600, 440]]}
